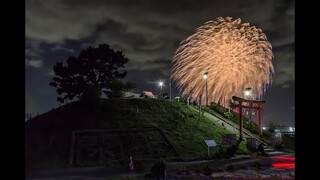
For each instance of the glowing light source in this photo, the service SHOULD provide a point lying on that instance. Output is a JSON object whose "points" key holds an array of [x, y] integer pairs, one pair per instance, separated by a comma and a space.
{"points": [[161, 84], [247, 92], [283, 165], [205, 76], [284, 162], [234, 55], [288, 158]]}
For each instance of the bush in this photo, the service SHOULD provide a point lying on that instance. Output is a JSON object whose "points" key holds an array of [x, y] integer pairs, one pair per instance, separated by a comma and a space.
{"points": [[228, 115], [158, 170], [219, 109], [185, 170], [213, 105], [91, 97], [231, 151], [206, 170], [230, 167], [272, 126], [257, 164]]}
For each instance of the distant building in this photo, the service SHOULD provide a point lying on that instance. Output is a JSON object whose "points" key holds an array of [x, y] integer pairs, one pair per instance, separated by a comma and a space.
{"points": [[131, 95], [282, 129], [147, 94], [287, 129]]}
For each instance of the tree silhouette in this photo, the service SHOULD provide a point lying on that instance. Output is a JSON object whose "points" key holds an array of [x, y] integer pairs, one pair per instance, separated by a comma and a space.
{"points": [[117, 88], [93, 70]]}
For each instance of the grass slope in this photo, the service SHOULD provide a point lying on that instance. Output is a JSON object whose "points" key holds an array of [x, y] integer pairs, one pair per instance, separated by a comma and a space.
{"points": [[48, 135]]}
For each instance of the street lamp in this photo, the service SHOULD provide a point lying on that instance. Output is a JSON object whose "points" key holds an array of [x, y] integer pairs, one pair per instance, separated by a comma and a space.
{"points": [[290, 129], [205, 76], [170, 88], [247, 93], [160, 85]]}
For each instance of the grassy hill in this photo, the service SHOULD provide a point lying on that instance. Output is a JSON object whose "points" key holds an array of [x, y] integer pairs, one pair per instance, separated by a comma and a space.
{"points": [[48, 136]]}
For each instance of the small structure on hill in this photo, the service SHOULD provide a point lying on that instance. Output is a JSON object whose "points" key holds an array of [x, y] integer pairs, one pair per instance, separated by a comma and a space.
{"points": [[147, 94], [131, 95]]}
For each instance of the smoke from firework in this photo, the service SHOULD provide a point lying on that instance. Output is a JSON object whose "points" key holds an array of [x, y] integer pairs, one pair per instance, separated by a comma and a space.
{"points": [[235, 56]]}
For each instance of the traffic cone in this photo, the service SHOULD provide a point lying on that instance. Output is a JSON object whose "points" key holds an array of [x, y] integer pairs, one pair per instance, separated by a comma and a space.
{"points": [[131, 167]]}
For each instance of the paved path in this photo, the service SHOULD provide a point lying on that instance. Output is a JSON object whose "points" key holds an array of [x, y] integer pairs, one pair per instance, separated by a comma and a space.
{"points": [[233, 128], [225, 124], [99, 173]]}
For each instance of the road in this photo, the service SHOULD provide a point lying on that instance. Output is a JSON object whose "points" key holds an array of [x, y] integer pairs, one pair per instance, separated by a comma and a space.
{"points": [[271, 167], [244, 168]]}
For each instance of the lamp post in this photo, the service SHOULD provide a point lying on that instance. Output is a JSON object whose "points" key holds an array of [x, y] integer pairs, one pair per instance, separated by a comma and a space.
{"points": [[247, 95], [205, 76], [200, 105], [170, 88], [160, 85]]}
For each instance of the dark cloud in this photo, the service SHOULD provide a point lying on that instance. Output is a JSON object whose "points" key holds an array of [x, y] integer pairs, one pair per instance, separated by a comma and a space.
{"points": [[284, 64], [60, 48], [148, 32], [36, 63], [279, 105]]}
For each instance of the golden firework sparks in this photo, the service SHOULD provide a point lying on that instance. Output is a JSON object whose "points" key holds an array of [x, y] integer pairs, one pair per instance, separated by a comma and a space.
{"points": [[235, 56]]}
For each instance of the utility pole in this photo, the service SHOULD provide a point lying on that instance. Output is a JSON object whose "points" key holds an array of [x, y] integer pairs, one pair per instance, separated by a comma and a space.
{"points": [[206, 92], [205, 76], [170, 88], [200, 105]]}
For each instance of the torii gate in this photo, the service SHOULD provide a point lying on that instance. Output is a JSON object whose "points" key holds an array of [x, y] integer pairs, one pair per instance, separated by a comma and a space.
{"points": [[258, 107]]}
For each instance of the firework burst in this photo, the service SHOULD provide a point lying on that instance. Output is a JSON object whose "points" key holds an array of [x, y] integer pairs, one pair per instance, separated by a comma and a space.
{"points": [[235, 56]]}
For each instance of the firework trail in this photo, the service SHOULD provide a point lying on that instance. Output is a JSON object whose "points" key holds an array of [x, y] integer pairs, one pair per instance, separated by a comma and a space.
{"points": [[235, 56]]}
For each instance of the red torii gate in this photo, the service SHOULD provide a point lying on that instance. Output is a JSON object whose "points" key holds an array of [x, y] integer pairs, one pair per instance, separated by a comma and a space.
{"points": [[258, 107]]}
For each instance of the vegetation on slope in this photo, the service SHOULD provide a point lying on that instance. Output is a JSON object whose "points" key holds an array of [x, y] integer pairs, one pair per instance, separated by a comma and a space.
{"points": [[48, 135]]}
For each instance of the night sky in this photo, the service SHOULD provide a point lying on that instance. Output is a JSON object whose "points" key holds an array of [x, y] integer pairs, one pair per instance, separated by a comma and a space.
{"points": [[148, 33]]}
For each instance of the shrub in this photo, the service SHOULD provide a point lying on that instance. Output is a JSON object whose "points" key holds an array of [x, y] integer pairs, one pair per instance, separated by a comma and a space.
{"points": [[91, 98], [213, 105], [257, 164], [228, 115], [230, 167], [184, 169], [231, 151], [158, 170], [206, 170]]}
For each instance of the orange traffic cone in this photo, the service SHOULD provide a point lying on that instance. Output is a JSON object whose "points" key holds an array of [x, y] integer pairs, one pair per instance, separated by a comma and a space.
{"points": [[131, 167]]}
